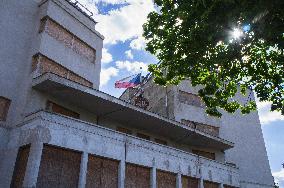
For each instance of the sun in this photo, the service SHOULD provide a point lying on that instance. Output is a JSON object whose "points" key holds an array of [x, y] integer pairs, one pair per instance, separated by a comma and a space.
{"points": [[237, 33]]}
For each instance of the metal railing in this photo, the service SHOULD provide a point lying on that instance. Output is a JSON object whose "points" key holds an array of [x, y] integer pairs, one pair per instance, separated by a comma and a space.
{"points": [[82, 8]]}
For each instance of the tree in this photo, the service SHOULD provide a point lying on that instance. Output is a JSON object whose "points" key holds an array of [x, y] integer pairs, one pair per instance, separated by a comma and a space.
{"points": [[224, 45]]}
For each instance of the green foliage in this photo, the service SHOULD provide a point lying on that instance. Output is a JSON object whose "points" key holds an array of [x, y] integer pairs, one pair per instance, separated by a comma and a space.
{"points": [[195, 39]]}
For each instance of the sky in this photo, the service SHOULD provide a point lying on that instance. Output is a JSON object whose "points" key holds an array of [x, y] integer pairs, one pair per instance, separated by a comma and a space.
{"points": [[120, 22]]}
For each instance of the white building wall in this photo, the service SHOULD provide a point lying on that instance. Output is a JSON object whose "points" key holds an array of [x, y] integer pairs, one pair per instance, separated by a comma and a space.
{"points": [[20, 41], [249, 152]]}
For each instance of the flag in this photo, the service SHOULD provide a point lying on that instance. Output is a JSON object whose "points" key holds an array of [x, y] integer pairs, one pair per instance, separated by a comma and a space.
{"points": [[128, 82]]}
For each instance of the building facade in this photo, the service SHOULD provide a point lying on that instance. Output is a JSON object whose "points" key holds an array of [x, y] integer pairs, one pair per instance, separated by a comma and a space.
{"points": [[58, 130]]}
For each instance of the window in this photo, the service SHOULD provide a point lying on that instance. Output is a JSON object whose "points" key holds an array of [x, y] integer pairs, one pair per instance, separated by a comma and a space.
{"points": [[189, 182], [4, 108], [143, 136], [166, 179], [209, 129], [102, 173], [190, 99], [124, 130], [209, 184], [61, 110], [59, 168], [42, 64], [137, 176], [20, 166], [208, 155], [159, 141], [62, 35]]}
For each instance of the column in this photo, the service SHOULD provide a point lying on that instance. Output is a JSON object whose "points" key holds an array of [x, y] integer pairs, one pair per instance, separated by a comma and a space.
{"points": [[178, 181], [33, 164], [121, 174], [201, 185], [83, 170], [153, 180], [221, 185]]}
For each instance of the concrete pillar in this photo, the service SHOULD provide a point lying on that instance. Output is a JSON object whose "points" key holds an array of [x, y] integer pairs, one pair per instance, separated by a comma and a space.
{"points": [[153, 178], [178, 181], [201, 185], [221, 185], [121, 174], [33, 164], [83, 170]]}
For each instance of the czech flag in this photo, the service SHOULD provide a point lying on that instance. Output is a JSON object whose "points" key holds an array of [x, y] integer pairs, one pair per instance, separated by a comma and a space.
{"points": [[128, 82]]}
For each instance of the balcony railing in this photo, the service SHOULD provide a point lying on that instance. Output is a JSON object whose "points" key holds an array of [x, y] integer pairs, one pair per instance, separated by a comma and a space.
{"points": [[82, 8], [82, 136]]}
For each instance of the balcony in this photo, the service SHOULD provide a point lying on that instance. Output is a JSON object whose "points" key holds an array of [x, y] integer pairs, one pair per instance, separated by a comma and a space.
{"points": [[104, 105], [85, 137]]}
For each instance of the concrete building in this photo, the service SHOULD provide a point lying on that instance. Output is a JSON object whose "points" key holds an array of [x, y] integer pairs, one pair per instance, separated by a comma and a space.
{"points": [[58, 130]]}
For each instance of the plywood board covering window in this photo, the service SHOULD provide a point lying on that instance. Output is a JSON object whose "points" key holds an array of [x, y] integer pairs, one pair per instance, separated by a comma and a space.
{"points": [[228, 186], [165, 179], [59, 168], [209, 129], [160, 141], [124, 130], [4, 108], [189, 182], [53, 107], [20, 167], [102, 173], [190, 99], [209, 184], [137, 176], [205, 154], [62, 35], [143, 136], [42, 64]]}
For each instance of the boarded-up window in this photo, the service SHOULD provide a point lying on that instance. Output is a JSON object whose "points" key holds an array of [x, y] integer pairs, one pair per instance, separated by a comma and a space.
{"points": [[229, 186], [137, 176], [211, 130], [208, 155], [42, 64], [166, 179], [20, 167], [143, 136], [124, 130], [59, 168], [209, 184], [67, 38], [159, 141], [190, 99], [189, 182], [4, 108], [61, 110], [102, 173]]}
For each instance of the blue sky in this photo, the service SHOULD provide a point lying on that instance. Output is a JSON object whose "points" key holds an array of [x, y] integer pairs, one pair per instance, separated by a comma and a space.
{"points": [[120, 21]]}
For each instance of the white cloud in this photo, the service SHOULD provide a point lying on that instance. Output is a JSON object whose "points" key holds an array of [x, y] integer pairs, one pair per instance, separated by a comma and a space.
{"points": [[279, 177], [124, 23], [138, 44], [129, 54], [106, 75], [106, 56], [133, 67], [266, 116]]}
